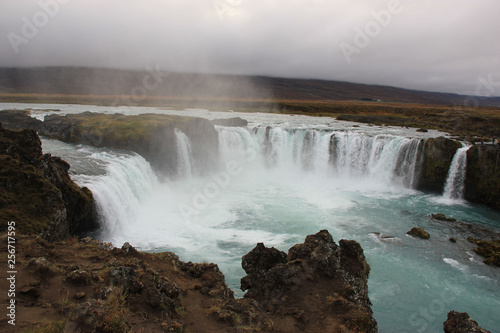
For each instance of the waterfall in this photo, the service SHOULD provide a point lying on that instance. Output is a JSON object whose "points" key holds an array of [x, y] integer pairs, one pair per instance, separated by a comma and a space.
{"points": [[455, 181], [347, 156], [390, 159], [183, 154], [119, 192]]}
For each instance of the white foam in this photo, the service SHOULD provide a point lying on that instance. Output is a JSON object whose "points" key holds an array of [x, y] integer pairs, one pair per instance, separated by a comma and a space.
{"points": [[455, 264]]}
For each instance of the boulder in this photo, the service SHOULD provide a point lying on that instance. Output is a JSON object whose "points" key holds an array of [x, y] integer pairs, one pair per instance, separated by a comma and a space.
{"points": [[490, 250], [418, 232], [458, 322], [442, 217]]}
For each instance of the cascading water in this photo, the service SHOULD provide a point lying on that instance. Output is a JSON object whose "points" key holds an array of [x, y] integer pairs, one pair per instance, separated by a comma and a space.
{"points": [[280, 181], [127, 181], [347, 156], [183, 154], [387, 159], [455, 182]]}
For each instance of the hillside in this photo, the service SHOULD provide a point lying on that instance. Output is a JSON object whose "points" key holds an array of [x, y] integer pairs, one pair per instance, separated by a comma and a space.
{"points": [[156, 84]]}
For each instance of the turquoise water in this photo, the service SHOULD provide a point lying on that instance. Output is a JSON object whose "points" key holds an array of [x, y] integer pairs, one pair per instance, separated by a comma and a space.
{"points": [[279, 193]]}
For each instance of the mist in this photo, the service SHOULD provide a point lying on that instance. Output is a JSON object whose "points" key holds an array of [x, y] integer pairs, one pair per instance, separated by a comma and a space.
{"points": [[446, 46]]}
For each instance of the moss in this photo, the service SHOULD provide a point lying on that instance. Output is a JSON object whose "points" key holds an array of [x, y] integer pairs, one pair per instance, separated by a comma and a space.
{"points": [[419, 232], [489, 250], [36, 191], [442, 217], [26, 197], [150, 135]]}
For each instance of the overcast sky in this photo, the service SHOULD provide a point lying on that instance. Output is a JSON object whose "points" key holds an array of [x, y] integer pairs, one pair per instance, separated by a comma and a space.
{"points": [[438, 45]]}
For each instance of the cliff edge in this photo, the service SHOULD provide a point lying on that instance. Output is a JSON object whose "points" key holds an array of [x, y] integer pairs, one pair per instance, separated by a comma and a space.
{"points": [[36, 191]]}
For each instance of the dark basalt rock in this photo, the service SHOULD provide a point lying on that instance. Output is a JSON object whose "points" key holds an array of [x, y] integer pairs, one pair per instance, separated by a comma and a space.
{"points": [[461, 323], [336, 274], [487, 249], [482, 181], [442, 217], [150, 135], [231, 122], [437, 157], [36, 191], [418, 232], [17, 120]]}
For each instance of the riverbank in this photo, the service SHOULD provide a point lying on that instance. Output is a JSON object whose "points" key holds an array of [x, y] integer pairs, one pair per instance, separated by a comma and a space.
{"points": [[473, 123]]}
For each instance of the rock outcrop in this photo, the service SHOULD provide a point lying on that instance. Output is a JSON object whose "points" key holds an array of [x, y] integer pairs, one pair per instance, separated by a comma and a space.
{"points": [[437, 156], [482, 182], [442, 217], [317, 286], [90, 286], [36, 191], [461, 323], [418, 232], [18, 120], [231, 122], [490, 250], [150, 135]]}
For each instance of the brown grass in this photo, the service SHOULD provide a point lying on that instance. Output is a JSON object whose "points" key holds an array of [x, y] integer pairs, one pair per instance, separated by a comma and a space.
{"points": [[458, 120]]}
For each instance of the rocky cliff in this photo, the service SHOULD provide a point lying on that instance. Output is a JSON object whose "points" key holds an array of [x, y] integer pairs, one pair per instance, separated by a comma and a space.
{"points": [[36, 191], [150, 135], [482, 183], [437, 156]]}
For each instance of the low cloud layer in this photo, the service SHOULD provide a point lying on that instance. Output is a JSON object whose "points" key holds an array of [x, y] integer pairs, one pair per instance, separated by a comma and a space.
{"points": [[445, 45]]}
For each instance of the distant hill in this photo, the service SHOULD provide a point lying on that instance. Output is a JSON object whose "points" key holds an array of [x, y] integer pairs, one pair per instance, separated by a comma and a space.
{"points": [[111, 82]]}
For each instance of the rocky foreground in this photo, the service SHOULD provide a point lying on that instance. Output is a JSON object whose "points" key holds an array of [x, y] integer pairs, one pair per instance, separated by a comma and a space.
{"points": [[88, 286]]}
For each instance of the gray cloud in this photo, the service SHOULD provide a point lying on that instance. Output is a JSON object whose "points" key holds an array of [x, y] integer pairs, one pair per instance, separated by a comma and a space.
{"points": [[445, 45]]}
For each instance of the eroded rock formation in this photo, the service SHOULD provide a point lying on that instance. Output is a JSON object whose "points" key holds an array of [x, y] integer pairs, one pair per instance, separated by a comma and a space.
{"points": [[461, 323], [317, 286], [36, 191]]}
